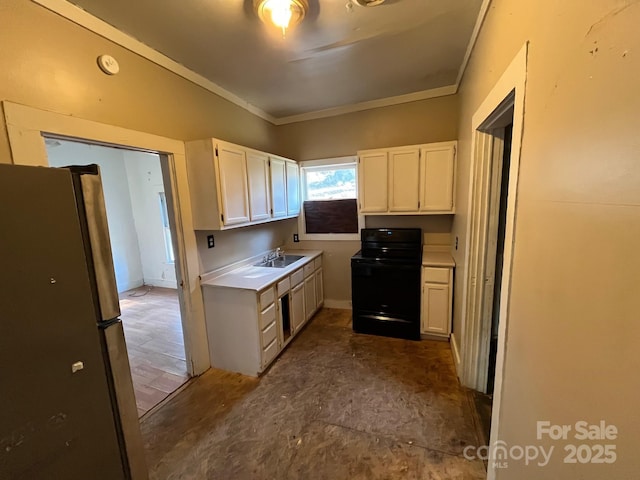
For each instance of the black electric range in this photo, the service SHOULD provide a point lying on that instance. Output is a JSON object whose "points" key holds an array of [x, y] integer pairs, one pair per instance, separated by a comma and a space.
{"points": [[385, 282]]}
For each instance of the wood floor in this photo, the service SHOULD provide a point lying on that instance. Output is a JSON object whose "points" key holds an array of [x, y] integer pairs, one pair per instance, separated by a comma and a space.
{"points": [[334, 405], [153, 333]]}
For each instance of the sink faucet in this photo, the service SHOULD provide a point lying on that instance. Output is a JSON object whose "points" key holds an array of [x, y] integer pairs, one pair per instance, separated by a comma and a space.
{"points": [[278, 253]]}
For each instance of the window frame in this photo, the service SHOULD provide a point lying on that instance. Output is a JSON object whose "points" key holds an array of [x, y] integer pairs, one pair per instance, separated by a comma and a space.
{"points": [[310, 165]]}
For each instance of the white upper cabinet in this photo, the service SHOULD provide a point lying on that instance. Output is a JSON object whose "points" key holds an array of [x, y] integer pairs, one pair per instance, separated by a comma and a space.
{"points": [[231, 165], [232, 186], [416, 179], [293, 189], [373, 181], [259, 195], [438, 177], [404, 170], [278, 187]]}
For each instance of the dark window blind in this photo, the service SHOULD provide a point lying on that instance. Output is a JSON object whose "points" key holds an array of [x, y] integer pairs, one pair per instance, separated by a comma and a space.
{"points": [[331, 216]]}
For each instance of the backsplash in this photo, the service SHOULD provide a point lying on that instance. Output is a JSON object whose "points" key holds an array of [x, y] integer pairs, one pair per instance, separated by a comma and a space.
{"points": [[240, 243]]}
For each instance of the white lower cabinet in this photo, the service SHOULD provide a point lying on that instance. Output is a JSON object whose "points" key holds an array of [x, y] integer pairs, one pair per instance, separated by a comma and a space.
{"points": [[269, 334], [319, 289], [310, 296], [297, 307], [437, 291], [248, 329]]}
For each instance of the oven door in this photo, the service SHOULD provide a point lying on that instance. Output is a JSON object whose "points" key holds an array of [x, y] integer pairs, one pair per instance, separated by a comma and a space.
{"points": [[386, 298]]}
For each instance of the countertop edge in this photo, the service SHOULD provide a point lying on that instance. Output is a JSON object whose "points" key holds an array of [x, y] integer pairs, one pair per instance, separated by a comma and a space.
{"points": [[437, 259], [310, 255]]}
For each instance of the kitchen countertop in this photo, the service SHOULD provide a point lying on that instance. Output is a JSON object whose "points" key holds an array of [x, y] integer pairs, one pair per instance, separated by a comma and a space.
{"points": [[249, 277], [437, 259]]}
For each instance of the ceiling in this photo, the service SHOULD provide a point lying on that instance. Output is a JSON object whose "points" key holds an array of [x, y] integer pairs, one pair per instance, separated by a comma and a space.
{"points": [[337, 58]]}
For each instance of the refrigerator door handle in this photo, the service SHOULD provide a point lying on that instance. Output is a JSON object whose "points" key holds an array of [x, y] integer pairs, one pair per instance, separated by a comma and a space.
{"points": [[96, 216]]}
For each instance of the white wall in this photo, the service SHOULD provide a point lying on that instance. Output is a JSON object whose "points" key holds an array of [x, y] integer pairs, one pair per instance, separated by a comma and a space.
{"points": [[144, 176], [124, 239], [131, 183]]}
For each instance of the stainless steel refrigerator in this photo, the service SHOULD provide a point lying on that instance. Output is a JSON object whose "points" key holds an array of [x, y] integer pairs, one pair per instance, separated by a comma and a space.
{"points": [[67, 406]]}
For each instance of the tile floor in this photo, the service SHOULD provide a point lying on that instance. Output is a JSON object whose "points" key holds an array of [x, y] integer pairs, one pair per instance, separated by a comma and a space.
{"points": [[335, 405], [153, 333]]}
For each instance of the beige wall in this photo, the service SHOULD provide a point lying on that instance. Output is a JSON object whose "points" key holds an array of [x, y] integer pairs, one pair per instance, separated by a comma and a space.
{"points": [[572, 336], [240, 243], [50, 63], [433, 120]]}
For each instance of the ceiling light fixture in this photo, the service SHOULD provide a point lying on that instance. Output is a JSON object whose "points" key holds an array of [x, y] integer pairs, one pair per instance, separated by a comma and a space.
{"points": [[281, 13], [369, 3]]}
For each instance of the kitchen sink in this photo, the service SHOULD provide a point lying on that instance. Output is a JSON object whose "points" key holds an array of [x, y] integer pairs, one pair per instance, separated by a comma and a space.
{"points": [[280, 262]]}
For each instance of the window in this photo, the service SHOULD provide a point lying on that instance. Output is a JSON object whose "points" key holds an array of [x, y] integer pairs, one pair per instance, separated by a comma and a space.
{"points": [[168, 243], [329, 194]]}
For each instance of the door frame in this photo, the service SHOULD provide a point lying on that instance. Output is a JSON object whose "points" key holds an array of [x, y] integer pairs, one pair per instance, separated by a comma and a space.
{"points": [[27, 127], [484, 137]]}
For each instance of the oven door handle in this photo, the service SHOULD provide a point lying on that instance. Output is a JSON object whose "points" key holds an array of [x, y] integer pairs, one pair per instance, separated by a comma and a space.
{"points": [[369, 270]]}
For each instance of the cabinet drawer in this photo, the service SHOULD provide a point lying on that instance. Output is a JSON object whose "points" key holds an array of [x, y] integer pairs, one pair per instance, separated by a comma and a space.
{"points": [[269, 334], [269, 353], [266, 297], [317, 263], [283, 286], [267, 316], [308, 269], [297, 277], [436, 275]]}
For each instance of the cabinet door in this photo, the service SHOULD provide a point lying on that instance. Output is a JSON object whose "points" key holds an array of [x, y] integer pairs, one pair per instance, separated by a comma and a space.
{"points": [[372, 182], [435, 308], [258, 174], [278, 187], [297, 307], [438, 178], [310, 296], [404, 180], [319, 289], [232, 173], [293, 189]]}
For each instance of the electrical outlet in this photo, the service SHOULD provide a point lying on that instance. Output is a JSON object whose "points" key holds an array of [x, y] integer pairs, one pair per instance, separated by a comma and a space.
{"points": [[210, 241], [296, 238]]}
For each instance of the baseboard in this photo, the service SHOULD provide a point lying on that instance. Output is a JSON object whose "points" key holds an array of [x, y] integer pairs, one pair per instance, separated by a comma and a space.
{"points": [[158, 282], [456, 352], [343, 304], [130, 285]]}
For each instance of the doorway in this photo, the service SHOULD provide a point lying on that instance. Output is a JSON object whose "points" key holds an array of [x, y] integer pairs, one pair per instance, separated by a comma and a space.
{"points": [[144, 262], [497, 126], [27, 128], [491, 192]]}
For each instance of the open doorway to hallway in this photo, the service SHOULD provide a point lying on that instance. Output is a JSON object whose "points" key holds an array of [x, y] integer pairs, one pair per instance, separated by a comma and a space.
{"points": [[144, 263], [496, 198]]}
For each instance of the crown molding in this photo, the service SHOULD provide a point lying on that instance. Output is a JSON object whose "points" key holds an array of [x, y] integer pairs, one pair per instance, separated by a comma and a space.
{"points": [[109, 32], [84, 19], [484, 8], [358, 107]]}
